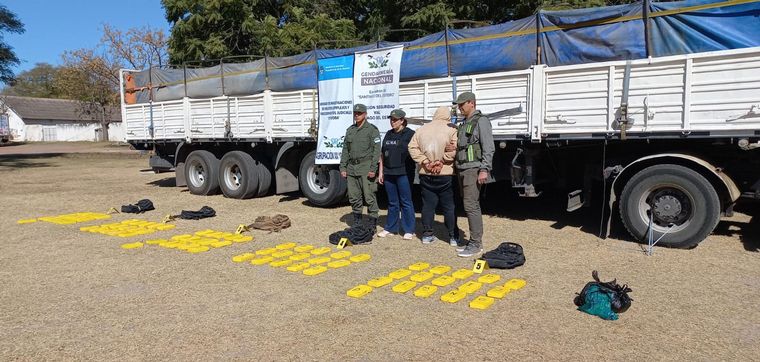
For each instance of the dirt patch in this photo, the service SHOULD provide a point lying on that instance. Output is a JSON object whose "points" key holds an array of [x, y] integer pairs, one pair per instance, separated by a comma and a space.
{"points": [[74, 295]]}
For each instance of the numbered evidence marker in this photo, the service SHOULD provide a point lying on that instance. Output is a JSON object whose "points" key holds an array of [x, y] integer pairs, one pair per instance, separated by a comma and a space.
{"points": [[479, 266], [342, 243], [241, 229]]}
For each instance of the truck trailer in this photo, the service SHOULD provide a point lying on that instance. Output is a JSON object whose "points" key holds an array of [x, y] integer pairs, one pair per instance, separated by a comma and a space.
{"points": [[658, 118]]}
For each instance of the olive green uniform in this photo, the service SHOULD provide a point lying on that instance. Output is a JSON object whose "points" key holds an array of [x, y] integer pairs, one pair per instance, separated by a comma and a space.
{"points": [[361, 154]]}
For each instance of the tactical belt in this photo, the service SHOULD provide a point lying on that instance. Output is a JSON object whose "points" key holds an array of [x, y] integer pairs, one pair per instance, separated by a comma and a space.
{"points": [[359, 160]]}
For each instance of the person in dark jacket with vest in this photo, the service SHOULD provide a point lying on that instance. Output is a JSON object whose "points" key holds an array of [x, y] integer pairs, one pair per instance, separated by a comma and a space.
{"points": [[396, 167], [474, 157]]}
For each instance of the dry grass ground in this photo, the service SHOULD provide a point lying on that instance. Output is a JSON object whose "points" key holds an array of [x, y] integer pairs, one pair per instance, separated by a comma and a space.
{"points": [[67, 294]]}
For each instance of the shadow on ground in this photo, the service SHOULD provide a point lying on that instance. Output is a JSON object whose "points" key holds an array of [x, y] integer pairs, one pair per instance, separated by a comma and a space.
{"points": [[164, 182], [749, 232], [26, 161]]}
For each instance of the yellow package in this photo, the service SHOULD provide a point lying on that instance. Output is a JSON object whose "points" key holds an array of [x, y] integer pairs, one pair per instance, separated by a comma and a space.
{"points": [[454, 296], [489, 278], [440, 269], [132, 245], [221, 244], [319, 269], [303, 248], [320, 251], [498, 292], [359, 258], [421, 276], [443, 281], [462, 274], [404, 286], [380, 282], [340, 254], [282, 253], [515, 284], [319, 260], [243, 257], [298, 267], [266, 251], [198, 249], [281, 263], [481, 302], [359, 291], [425, 291], [338, 263], [262, 260], [419, 266], [400, 273], [285, 246], [300, 256], [470, 287]]}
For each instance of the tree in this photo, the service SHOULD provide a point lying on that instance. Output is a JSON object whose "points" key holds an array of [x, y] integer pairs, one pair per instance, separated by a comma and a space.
{"points": [[8, 23], [91, 76], [36, 82], [212, 29]]}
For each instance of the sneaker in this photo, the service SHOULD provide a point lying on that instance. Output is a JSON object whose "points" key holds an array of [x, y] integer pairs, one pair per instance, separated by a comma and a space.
{"points": [[456, 242], [472, 249], [461, 244], [428, 239], [408, 236], [383, 233]]}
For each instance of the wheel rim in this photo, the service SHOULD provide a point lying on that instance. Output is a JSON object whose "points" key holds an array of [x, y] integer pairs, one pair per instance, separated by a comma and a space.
{"points": [[233, 176], [671, 206], [318, 178], [197, 174]]}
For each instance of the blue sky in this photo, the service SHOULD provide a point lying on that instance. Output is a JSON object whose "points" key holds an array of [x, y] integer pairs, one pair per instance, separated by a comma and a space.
{"points": [[54, 26]]}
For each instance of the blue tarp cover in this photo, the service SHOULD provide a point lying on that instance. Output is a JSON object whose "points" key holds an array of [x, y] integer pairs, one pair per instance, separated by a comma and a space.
{"points": [[566, 37]]}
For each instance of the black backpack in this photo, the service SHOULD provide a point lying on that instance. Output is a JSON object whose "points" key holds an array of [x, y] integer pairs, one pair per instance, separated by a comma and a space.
{"points": [[619, 299], [360, 234], [506, 256]]}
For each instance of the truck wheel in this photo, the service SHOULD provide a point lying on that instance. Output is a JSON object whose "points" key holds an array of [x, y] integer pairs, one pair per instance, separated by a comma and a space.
{"points": [[680, 200], [238, 176], [321, 184], [201, 170], [265, 178]]}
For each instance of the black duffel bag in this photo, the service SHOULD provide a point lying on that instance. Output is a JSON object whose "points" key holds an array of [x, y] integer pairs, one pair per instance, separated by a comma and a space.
{"points": [[356, 235], [506, 256]]}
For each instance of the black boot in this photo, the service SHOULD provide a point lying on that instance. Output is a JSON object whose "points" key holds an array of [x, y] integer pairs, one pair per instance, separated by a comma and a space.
{"points": [[357, 220], [372, 224]]}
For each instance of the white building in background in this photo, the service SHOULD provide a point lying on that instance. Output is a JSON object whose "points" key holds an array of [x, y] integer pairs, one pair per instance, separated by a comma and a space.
{"points": [[50, 120]]}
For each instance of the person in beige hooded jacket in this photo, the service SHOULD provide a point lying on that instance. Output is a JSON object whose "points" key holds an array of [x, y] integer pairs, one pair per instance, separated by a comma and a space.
{"points": [[427, 148]]}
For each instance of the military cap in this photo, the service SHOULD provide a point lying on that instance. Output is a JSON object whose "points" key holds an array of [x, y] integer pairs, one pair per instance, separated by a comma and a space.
{"points": [[397, 113], [464, 97], [360, 108]]}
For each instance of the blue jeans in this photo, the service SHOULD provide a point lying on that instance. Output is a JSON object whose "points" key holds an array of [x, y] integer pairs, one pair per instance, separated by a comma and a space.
{"points": [[399, 194]]}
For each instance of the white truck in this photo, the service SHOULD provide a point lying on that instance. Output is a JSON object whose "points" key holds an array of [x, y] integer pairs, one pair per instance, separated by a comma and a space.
{"points": [[670, 143]]}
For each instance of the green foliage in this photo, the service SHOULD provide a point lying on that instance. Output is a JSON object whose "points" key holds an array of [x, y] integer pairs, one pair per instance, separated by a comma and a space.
{"points": [[8, 23], [212, 29], [36, 82]]}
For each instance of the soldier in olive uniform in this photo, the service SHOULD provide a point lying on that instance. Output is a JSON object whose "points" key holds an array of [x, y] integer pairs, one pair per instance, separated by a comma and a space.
{"points": [[474, 163], [359, 164]]}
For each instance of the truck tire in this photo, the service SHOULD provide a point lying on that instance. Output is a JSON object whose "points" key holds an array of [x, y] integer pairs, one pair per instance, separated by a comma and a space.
{"points": [[238, 175], [680, 199], [321, 184], [201, 173], [265, 178]]}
